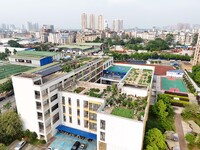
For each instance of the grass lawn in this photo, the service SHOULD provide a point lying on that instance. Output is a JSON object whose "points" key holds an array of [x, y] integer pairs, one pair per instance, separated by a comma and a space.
{"points": [[123, 112]]}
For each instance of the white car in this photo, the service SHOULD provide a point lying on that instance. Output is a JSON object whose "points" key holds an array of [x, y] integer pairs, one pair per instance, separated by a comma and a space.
{"points": [[20, 145]]}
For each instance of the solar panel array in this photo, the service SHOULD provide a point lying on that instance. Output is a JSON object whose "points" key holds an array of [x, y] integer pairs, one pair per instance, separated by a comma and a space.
{"points": [[48, 71]]}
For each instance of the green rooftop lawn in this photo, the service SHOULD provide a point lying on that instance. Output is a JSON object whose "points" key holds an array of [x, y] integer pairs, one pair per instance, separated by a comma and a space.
{"points": [[123, 112]]}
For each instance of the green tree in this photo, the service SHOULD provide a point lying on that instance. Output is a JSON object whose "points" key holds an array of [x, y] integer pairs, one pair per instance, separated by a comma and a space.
{"points": [[6, 86], [14, 51], [166, 99], [194, 39], [14, 43], [190, 111], [170, 39], [3, 147], [10, 127], [155, 140], [157, 44], [159, 109], [3, 56], [7, 52], [190, 138]]}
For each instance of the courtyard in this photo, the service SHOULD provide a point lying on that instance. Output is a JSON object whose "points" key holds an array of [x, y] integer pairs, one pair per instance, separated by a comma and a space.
{"points": [[64, 141]]}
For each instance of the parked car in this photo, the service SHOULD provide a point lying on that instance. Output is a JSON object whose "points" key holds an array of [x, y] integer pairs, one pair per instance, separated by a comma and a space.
{"points": [[83, 146], [20, 145], [76, 145]]}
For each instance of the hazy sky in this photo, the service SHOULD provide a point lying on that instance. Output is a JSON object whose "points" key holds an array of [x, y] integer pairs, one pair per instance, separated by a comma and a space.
{"points": [[67, 13]]}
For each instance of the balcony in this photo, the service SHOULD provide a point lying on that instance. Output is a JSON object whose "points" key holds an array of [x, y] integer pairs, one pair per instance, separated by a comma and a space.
{"points": [[48, 128], [47, 116], [40, 118], [41, 131], [46, 106]]}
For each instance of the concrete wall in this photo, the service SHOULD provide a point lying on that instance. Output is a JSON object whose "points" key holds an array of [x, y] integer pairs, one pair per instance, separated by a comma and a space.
{"points": [[33, 63], [26, 103]]}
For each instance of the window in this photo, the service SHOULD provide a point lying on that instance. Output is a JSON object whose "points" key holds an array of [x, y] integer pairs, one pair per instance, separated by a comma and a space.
{"points": [[85, 104], [85, 123], [63, 100], [70, 110], [54, 97], [55, 118], [78, 120], [102, 124], [78, 103], [63, 109], [78, 112], [102, 136], [93, 116], [69, 101], [37, 94], [93, 126], [70, 119], [54, 107], [64, 118], [86, 114]]}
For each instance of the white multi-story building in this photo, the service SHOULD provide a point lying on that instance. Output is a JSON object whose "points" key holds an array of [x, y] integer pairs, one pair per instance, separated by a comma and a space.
{"points": [[63, 101]]}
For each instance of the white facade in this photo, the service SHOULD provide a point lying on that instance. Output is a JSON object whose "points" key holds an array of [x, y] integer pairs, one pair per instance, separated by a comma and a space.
{"points": [[175, 74], [120, 133], [39, 101]]}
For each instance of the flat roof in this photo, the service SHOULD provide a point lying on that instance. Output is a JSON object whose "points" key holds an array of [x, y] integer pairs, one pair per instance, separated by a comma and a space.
{"points": [[27, 57], [36, 53], [75, 46], [90, 44]]}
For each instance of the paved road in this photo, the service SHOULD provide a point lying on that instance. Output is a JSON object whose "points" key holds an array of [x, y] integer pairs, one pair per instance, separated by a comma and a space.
{"points": [[11, 99], [179, 130]]}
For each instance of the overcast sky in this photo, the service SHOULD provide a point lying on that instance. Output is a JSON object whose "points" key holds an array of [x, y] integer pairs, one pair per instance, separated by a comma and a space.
{"points": [[67, 13]]}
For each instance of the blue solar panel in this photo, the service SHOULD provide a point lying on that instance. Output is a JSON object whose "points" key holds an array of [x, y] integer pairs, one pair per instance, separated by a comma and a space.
{"points": [[77, 132], [49, 70]]}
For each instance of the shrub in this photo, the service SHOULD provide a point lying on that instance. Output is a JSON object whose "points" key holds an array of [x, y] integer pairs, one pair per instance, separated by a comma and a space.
{"points": [[190, 138]]}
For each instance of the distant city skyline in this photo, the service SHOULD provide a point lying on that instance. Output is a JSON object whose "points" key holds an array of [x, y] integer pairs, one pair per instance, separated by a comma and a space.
{"points": [[66, 14]]}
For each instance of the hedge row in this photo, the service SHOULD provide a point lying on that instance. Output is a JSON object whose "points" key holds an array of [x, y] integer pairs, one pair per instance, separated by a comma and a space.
{"points": [[179, 103], [182, 98]]}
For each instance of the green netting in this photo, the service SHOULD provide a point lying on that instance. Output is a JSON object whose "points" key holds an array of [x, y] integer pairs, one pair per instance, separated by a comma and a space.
{"points": [[168, 84]]}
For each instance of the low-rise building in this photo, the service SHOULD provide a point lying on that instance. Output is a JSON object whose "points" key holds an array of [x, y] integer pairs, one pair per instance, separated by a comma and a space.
{"points": [[34, 58]]}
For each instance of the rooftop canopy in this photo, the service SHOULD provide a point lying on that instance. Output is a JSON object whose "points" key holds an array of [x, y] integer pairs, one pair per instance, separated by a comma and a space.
{"points": [[77, 132]]}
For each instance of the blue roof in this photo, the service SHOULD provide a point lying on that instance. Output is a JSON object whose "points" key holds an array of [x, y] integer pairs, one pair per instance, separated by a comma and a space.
{"points": [[77, 132], [177, 71]]}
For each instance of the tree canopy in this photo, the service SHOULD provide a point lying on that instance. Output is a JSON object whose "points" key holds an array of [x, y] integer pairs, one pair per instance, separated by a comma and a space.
{"points": [[195, 38], [10, 127], [155, 140], [2, 146], [170, 39], [14, 43], [196, 74], [157, 44]]}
